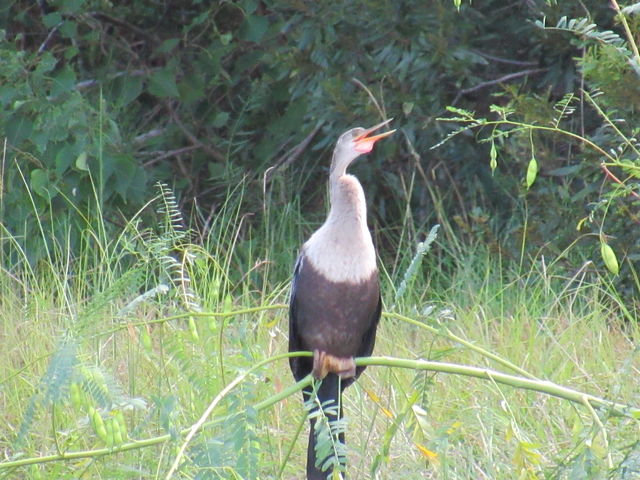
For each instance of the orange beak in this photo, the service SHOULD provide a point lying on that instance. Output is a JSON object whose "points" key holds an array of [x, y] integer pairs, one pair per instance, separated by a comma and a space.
{"points": [[364, 143]]}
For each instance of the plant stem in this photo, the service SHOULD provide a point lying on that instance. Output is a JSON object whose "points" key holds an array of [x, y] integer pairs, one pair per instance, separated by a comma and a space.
{"points": [[148, 442], [541, 386], [627, 30], [203, 418], [244, 311], [445, 332]]}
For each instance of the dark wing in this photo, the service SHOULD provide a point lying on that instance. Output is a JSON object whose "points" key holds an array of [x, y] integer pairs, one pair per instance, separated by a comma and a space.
{"points": [[369, 338], [300, 366]]}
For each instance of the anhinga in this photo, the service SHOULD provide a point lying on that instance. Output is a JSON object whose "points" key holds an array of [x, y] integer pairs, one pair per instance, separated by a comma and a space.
{"points": [[335, 298]]}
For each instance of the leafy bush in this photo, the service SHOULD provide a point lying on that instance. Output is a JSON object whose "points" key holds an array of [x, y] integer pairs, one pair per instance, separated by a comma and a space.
{"points": [[99, 97]]}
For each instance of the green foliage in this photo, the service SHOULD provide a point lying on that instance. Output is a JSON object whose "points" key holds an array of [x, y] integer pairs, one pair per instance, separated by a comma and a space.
{"points": [[331, 453], [64, 148], [102, 96], [97, 98], [602, 174], [105, 392]]}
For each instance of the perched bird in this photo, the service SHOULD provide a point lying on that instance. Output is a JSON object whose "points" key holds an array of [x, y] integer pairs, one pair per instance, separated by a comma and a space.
{"points": [[335, 298]]}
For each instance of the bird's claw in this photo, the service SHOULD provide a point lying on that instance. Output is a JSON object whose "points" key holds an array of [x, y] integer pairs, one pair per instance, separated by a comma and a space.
{"points": [[324, 363]]}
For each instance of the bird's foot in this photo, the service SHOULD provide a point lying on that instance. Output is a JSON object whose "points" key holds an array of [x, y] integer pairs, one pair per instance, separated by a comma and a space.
{"points": [[324, 363]]}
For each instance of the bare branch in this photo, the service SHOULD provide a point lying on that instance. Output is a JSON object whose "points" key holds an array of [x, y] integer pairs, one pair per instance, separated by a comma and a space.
{"points": [[504, 78]]}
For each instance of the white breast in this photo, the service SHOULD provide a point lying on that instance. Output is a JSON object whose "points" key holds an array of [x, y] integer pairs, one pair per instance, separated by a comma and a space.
{"points": [[342, 255]]}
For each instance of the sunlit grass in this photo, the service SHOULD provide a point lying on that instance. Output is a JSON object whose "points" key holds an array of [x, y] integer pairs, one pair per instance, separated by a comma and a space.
{"points": [[162, 374]]}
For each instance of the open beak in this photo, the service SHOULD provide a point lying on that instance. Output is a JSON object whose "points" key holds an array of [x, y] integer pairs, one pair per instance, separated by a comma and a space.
{"points": [[364, 143]]}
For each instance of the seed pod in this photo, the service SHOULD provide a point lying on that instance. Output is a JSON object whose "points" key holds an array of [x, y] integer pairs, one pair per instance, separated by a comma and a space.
{"points": [[75, 395], [609, 257], [117, 434], [99, 426], [532, 172], [493, 154], [193, 329], [91, 415], [145, 339], [119, 416], [108, 426]]}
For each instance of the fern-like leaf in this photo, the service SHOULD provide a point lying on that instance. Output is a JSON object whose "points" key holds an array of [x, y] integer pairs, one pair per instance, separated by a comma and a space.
{"points": [[53, 384], [416, 261], [170, 210], [584, 28], [564, 109]]}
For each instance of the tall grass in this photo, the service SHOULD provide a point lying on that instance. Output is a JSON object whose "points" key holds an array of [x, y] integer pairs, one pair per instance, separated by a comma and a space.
{"points": [[145, 326]]}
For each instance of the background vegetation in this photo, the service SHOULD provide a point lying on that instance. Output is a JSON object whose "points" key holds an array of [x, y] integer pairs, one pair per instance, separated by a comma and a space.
{"points": [[114, 289]]}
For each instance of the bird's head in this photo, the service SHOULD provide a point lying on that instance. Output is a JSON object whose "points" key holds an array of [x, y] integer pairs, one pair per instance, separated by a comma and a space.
{"points": [[354, 143]]}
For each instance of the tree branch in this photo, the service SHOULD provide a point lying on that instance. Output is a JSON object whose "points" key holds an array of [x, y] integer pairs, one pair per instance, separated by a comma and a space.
{"points": [[504, 78]]}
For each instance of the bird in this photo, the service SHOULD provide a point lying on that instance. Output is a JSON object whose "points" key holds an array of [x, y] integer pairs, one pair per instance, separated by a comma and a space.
{"points": [[335, 301]]}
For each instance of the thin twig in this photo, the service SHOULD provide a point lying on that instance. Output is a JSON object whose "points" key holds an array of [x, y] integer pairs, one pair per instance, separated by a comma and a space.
{"points": [[44, 45], [193, 139], [382, 113], [504, 78], [124, 24], [148, 442], [153, 133], [504, 60], [92, 82], [170, 153], [445, 332], [610, 175], [290, 156]]}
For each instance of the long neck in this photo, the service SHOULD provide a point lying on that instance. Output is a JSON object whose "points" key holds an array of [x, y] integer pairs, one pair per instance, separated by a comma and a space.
{"points": [[342, 249], [348, 206]]}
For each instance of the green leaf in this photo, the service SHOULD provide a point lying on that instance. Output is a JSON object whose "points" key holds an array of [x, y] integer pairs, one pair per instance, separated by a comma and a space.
{"points": [[125, 89], [124, 173], [52, 19], [192, 88], [168, 45], [64, 159], [63, 81], [407, 108], [69, 29], [249, 6], [81, 162], [216, 170], [631, 9], [8, 93], [39, 182], [532, 172], [71, 6], [220, 120], [47, 63], [163, 84], [18, 128], [253, 28]]}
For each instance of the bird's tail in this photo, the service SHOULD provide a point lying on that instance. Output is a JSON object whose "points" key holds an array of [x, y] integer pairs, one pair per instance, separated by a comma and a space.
{"points": [[326, 436]]}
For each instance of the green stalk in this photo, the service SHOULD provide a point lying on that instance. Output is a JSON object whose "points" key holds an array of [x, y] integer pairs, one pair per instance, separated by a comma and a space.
{"points": [[148, 442], [445, 332], [541, 386], [244, 311]]}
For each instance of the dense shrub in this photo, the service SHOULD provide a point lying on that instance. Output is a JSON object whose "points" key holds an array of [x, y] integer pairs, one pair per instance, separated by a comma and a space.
{"points": [[101, 99]]}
